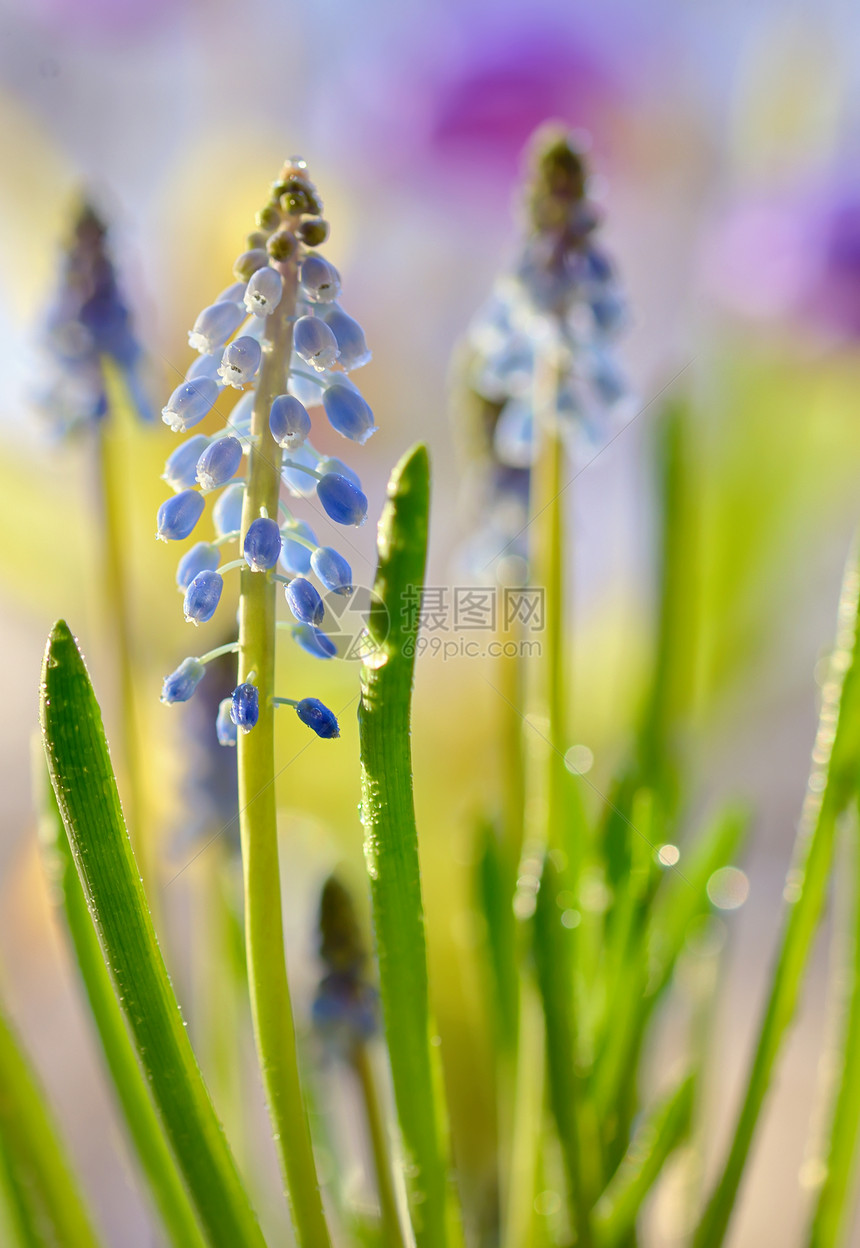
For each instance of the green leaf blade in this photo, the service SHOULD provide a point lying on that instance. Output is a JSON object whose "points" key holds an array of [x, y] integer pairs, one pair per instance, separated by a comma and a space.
{"points": [[83, 780]]}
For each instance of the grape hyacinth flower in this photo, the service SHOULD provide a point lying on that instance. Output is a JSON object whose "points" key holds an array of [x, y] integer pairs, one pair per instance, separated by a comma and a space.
{"points": [[286, 291], [87, 327], [538, 357], [268, 336]]}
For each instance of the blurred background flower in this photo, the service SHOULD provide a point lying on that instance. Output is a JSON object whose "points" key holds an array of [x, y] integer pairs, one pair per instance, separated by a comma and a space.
{"points": [[722, 139]]}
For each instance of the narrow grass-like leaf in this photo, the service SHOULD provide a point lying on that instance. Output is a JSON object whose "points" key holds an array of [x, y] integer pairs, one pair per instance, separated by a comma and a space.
{"points": [[48, 1203], [833, 782], [84, 783], [833, 1206], [142, 1123], [391, 847], [660, 1133]]}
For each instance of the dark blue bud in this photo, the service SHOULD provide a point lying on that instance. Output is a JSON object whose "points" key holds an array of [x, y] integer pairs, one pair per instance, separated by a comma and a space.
{"points": [[351, 342], [180, 471], [202, 597], [320, 280], [262, 544], [214, 326], [332, 570], [314, 342], [225, 729], [227, 512], [289, 421], [317, 716], [240, 362], [178, 516], [342, 501], [330, 464], [304, 601], [204, 557], [314, 641], [219, 462], [245, 707], [189, 403], [295, 556], [179, 685], [348, 412]]}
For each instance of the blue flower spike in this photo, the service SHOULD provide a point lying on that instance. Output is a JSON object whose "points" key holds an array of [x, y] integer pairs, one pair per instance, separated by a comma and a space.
{"points": [[202, 597], [225, 730], [342, 500], [314, 343], [264, 292], [245, 706], [240, 362], [180, 685], [332, 570], [202, 557], [289, 422], [178, 516], [180, 471], [189, 403], [215, 325], [315, 715], [262, 544], [218, 463], [348, 413], [304, 601]]}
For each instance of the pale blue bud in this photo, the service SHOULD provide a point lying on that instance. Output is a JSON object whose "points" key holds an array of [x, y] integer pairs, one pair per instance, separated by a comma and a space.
{"points": [[289, 421], [330, 464], [233, 294], [202, 557], [314, 342], [219, 462], [348, 413], [264, 292], [262, 544], [180, 471], [342, 501], [205, 366], [178, 516], [189, 403], [239, 419], [240, 362], [202, 597], [225, 729], [215, 325], [296, 558], [513, 437], [314, 642], [332, 570], [351, 342], [320, 280], [179, 685], [227, 512], [301, 484]]}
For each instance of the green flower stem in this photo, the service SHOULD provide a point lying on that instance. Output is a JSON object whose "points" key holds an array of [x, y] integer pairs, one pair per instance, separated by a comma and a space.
{"points": [[110, 438], [49, 1204], [271, 1009], [833, 1206], [83, 780], [377, 1129], [833, 783], [141, 1120], [391, 850], [526, 1160]]}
